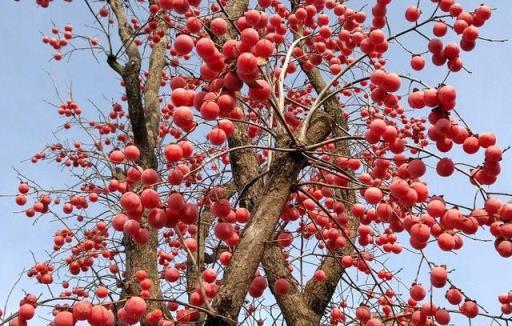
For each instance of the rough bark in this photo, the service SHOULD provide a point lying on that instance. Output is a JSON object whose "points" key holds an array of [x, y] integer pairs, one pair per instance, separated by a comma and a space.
{"points": [[245, 169], [243, 162], [248, 254], [318, 294], [294, 308], [144, 114]]}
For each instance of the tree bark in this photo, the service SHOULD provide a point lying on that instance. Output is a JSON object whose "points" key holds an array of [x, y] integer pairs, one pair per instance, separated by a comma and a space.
{"points": [[144, 114], [294, 308], [248, 253]]}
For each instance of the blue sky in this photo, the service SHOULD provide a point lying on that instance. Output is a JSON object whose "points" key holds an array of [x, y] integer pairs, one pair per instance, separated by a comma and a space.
{"points": [[27, 123]]}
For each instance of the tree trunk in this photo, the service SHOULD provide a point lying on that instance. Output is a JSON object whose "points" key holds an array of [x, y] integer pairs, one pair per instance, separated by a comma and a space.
{"points": [[248, 253]]}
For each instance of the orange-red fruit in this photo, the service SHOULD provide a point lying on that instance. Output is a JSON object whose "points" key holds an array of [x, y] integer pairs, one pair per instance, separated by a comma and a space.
{"points": [[102, 292], [281, 286], [173, 152], [135, 307], [171, 275], [64, 318], [438, 276], [205, 47], [445, 167], [260, 91], [416, 168], [373, 195], [417, 62], [100, 316], [454, 296], [412, 13], [442, 317], [320, 276], [418, 292], [224, 231], [82, 310], [363, 313], [183, 44], [217, 136], [219, 26], [132, 153], [469, 309], [150, 198], [116, 157], [183, 118], [130, 201], [26, 311]]}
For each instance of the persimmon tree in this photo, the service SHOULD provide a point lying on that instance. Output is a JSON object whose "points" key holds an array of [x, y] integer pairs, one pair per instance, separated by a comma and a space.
{"points": [[261, 163]]}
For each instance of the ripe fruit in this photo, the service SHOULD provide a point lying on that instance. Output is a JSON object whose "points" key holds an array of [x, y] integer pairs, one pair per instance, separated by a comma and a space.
{"points": [[183, 118], [171, 275], [26, 311], [281, 286], [319, 276], [176, 202], [373, 195], [445, 167], [454, 296], [183, 44], [260, 91], [205, 47], [150, 198], [173, 153], [446, 242], [149, 177], [258, 286], [100, 316], [363, 313], [82, 310], [412, 13], [210, 110], [246, 63], [224, 231], [417, 292], [446, 94], [440, 29], [209, 275], [219, 26], [132, 153], [166, 4], [118, 222], [263, 48], [102, 292], [116, 157], [416, 168], [438, 276], [242, 215], [442, 317], [217, 136], [249, 36], [63, 318], [469, 309], [391, 82], [135, 307], [417, 62]]}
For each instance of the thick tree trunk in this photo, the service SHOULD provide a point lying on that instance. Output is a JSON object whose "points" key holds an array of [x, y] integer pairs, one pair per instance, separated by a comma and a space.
{"points": [[248, 253], [144, 113]]}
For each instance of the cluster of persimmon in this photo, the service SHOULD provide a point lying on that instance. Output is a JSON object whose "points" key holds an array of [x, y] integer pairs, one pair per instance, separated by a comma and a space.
{"points": [[59, 42], [69, 108], [42, 272]]}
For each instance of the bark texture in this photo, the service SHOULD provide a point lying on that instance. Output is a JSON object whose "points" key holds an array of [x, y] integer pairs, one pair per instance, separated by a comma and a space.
{"points": [[144, 114], [248, 254]]}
